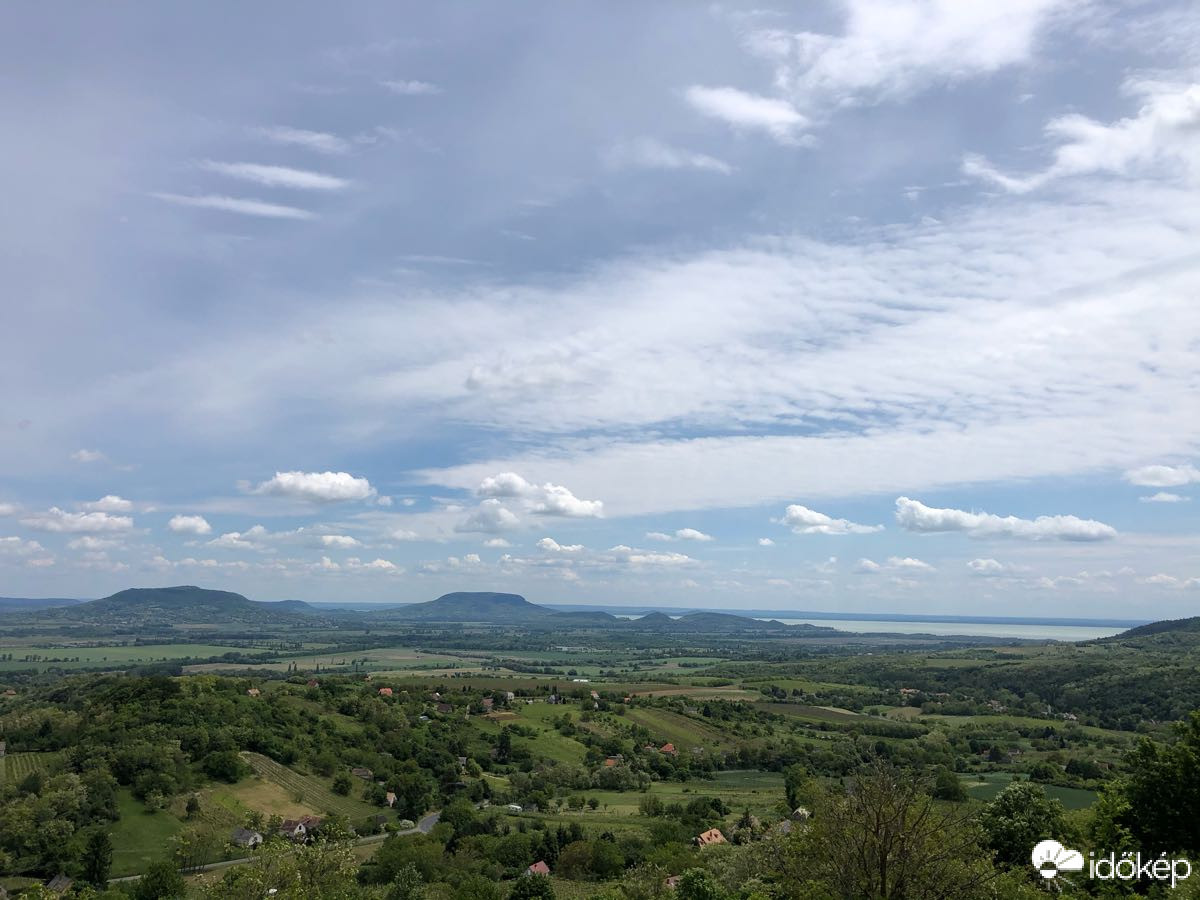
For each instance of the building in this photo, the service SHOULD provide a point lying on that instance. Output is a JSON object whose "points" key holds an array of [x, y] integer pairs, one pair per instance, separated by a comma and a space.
{"points": [[60, 883], [312, 682], [801, 814], [385, 692], [668, 749], [538, 868], [514, 808], [244, 837], [391, 798], [363, 773], [710, 837], [488, 703], [253, 692], [293, 829]]}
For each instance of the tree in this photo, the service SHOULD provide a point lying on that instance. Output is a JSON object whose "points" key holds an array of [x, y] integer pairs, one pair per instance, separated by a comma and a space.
{"points": [[162, 881], [193, 806], [885, 838], [947, 786], [342, 784], [406, 885], [797, 786], [697, 884], [532, 887], [97, 858], [1019, 817]]}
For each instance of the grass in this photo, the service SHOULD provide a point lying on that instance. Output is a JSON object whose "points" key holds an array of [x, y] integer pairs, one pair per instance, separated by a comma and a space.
{"points": [[140, 837], [813, 713], [1071, 798], [309, 791]]}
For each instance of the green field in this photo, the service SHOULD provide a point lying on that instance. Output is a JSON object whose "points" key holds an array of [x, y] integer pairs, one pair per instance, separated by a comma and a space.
{"points": [[1071, 798], [309, 791], [117, 656], [683, 732], [140, 837]]}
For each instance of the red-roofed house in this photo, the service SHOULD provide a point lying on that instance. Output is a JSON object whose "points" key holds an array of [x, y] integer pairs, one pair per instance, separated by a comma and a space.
{"points": [[538, 868], [668, 748], [385, 692], [710, 837]]}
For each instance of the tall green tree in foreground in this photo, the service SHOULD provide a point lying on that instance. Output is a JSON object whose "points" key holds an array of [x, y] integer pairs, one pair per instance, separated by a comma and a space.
{"points": [[97, 858]]}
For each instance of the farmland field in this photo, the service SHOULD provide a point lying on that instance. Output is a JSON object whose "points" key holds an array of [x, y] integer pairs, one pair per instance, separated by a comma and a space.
{"points": [[677, 729], [308, 790], [117, 656], [16, 766]]}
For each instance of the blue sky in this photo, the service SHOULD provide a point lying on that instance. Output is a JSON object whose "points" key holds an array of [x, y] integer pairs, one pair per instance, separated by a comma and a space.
{"points": [[856, 305]]}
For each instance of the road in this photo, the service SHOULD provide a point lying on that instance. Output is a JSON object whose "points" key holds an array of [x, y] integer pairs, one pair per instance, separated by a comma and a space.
{"points": [[424, 826]]}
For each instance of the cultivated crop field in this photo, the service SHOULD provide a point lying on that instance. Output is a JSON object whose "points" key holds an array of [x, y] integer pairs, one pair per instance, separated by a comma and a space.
{"points": [[116, 656], [308, 790], [16, 766]]}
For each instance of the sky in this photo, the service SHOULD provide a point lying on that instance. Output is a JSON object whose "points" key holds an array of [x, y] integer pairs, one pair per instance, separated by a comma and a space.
{"points": [[851, 305]]}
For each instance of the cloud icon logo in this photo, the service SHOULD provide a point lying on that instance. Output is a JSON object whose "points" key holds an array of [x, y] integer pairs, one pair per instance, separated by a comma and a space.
{"points": [[1051, 857]]}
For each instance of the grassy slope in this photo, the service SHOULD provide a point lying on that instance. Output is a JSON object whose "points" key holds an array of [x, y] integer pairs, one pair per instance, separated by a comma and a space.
{"points": [[139, 837], [310, 791]]}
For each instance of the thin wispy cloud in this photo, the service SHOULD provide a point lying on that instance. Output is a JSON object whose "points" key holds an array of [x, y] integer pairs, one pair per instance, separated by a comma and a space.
{"points": [[411, 88], [318, 141], [649, 153], [276, 176], [241, 205]]}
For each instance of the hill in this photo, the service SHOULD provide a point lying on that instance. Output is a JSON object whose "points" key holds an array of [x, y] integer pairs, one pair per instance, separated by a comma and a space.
{"points": [[30, 604], [183, 604], [721, 623], [474, 606], [1189, 625]]}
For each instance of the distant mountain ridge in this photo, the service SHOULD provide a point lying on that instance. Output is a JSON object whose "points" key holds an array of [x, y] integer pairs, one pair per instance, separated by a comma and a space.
{"points": [[181, 604]]}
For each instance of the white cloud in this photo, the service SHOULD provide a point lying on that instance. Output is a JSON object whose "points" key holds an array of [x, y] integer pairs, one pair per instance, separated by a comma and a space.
{"points": [[766, 542], [650, 153], [276, 176], [1164, 580], [1164, 497], [41, 562], [8, 509], [19, 546], [109, 503], [93, 544], [1165, 133], [197, 525], [908, 562], [411, 88], [88, 456], [489, 517], [681, 534], [547, 499], [251, 539], [867, 565], [318, 487], [554, 546], [891, 49], [339, 541], [62, 522], [241, 205], [404, 534], [646, 558], [320, 141], [987, 567], [743, 110], [803, 520], [496, 542], [916, 516], [1163, 476]]}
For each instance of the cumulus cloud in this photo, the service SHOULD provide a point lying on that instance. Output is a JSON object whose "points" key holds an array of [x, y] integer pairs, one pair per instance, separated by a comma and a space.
{"points": [[197, 525], [647, 558], [867, 565], [1164, 497], [909, 562], [681, 534], [411, 88], [93, 544], [649, 153], [62, 522], [317, 487], [554, 546], [1164, 476], [546, 499], [746, 111], [803, 520], [19, 546], [276, 176], [339, 541], [88, 456], [916, 516], [496, 542], [319, 141], [987, 567], [251, 539], [403, 534], [1164, 133], [766, 542], [490, 516], [241, 205], [109, 503]]}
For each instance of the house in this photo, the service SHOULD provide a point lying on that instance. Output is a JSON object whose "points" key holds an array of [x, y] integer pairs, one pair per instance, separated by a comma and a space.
{"points": [[672, 882], [800, 814], [462, 763], [444, 708], [487, 703], [60, 883], [710, 837], [435, 696], [669, 749], [595, 695], [514, 808], [253, 692], [391, 798], [784, 827], [538, 868], [311, 823], [385, 692], [312, 682], [510, 696], [610, 762], [10, 693], [1070, 717], [244, 837], [293, 829], [363, 773]]}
